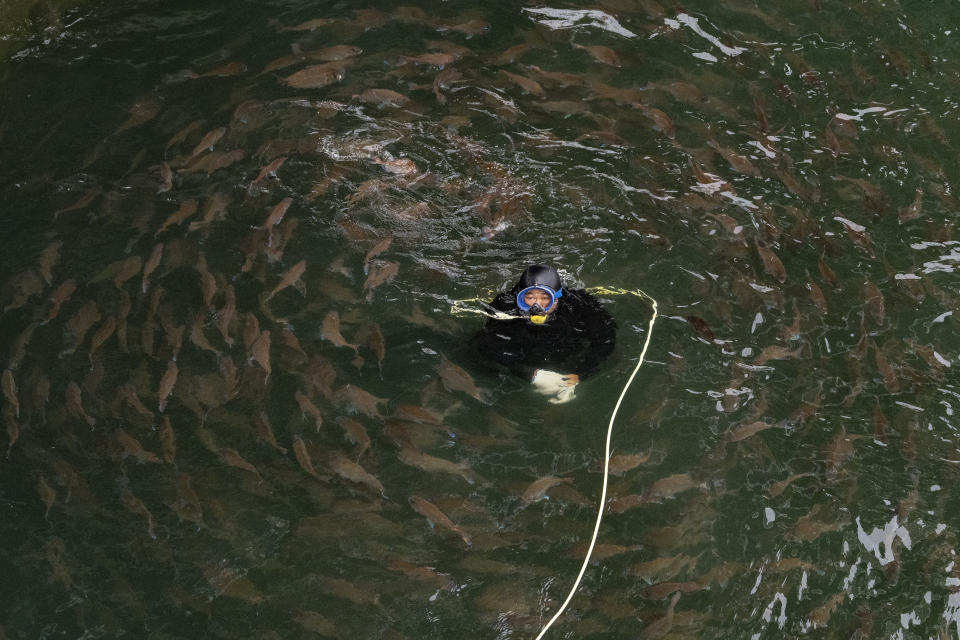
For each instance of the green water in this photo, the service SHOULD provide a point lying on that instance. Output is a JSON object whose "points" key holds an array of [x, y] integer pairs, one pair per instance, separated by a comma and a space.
{"points": [[780, 178]]}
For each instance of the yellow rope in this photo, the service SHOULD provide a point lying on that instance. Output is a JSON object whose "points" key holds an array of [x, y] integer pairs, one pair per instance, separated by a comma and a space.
{"points": [[606, 459]]}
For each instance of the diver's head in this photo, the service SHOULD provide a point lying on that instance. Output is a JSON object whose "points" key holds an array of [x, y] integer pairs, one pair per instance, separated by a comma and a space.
{"points": [[538, 292]]}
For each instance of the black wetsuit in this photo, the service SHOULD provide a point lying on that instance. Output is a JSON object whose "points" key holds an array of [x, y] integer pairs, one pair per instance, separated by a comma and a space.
{"points": [[576, 338]]}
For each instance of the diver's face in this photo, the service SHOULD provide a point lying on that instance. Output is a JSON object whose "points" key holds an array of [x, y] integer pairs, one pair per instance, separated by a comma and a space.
{"points": [[538, 297]]}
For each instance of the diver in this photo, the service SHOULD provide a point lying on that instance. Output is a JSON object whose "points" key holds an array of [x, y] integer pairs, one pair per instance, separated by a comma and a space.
{"points": [[556, 337]]}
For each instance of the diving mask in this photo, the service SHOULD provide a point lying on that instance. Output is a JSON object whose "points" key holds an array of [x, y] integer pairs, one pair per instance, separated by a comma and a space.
{"points": [[537, 301]]}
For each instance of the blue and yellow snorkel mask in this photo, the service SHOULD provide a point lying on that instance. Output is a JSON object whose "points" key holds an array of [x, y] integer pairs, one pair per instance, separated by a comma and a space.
{"points": [[537, 301]]}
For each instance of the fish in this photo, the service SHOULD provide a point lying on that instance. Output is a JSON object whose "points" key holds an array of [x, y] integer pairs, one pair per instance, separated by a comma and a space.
{"points": [[10, 392], [621, 463], [277, 213], [199, 339], [234, 459], [309, 25], [101, 335], [411, 456], [48, 494], [777, 352], [186, 209], [213, 209], [874, 301], [382, 97], [315, 76], [224, 70], [331, 331], [468, 28], [858, 234], [457, 379], [335, 53], [702, 327], [606, 55], [443, 80], [319, 376], [353, 472], [19, 289], [537, 490], [434, 516], [265, 431], [141, 112], [251, 330], [226, 314], [359, 400], [372, 336], [817, 297], [229, 373], [880, 424], [890, 381], [309, 409], [270, 169], [74, 403], [423, 574], [431, 59], [670, 486], [398, 166], [771, 263], [168, 440], [910, 212], [57, 298], [82, 203], [291, 277], [355, 433], [208, 283], [150, 265], [660, 627], [739, 163], [166, 178], [414, 413], [747, 430], [214, 161], [81, 322], [809, 527], [206, 143], [529, 85], [167, 381], [13, 430], [289, 340], [316, 623], [659, 118], [174, 336], [130, 446], [260, 350], [128, 393], [303, 458], [381, 272], [18, 347], [512, 54], [49, 258], [135, 505]]}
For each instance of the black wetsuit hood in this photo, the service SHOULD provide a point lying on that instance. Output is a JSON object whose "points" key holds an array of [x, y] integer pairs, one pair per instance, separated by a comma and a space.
{"points": [[541, 274]]}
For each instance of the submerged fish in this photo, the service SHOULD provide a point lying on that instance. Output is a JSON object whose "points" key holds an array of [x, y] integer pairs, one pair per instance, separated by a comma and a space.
{"points": [[433, 514], [331, 331], [457, 379], [354, 473], [167, 381], [291, 277]]}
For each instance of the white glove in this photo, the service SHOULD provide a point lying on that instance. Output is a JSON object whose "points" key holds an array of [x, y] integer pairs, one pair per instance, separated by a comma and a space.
{"points": [[564, 395], [551, 383]]}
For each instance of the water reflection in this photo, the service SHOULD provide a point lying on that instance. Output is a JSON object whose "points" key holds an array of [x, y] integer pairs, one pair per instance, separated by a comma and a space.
{"points": [[230, 358]]}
